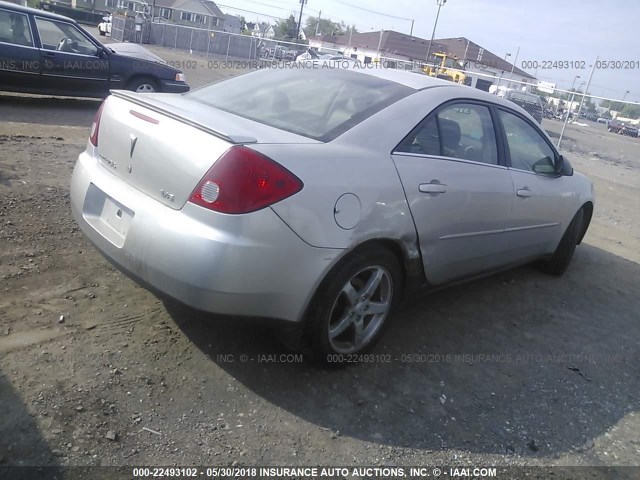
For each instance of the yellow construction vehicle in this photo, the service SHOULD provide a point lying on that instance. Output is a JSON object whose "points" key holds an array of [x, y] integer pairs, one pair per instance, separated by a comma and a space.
{"points": [[449, 69]]}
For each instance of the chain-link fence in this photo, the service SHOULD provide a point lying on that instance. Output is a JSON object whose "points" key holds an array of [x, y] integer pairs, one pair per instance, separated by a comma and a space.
{"points": [[579, 123], [204, 41]]}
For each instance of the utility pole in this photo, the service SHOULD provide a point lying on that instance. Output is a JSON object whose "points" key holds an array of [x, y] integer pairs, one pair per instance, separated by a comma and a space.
{"points": [[318, 24], [440, 4], [566, 118], [587, 88], [302, 2], [513, 65]]}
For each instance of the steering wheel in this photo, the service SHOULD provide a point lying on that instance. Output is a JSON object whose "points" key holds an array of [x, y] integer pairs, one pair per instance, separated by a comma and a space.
{"points": [[67, 45], [62, 44], [469, 153]]}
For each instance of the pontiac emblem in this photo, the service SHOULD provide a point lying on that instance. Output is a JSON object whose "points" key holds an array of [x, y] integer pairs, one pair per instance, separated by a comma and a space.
{"points": [[134, 140]]}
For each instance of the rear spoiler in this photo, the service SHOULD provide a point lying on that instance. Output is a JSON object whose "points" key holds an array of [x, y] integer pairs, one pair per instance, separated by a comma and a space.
{"points": [[138, 99]]}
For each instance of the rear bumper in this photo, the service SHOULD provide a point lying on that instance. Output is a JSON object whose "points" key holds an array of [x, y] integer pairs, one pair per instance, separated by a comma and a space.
{"points": [[171, 86], [248, 265]]}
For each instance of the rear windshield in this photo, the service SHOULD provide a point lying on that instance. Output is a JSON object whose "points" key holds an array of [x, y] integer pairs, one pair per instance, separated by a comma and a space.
{"points": [[320, 103]]}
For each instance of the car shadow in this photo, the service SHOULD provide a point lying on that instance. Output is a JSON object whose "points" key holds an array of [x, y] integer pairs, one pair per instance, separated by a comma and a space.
{"points": [[74, 112], [24, 453], [517, 363]]}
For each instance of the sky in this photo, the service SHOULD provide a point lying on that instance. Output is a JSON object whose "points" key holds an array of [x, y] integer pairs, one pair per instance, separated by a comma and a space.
{"points": [[544, 30]]}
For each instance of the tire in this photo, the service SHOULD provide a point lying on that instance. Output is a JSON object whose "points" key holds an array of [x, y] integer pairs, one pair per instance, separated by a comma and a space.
{"points": [[143, 85], [561, 258], [340, 323]]}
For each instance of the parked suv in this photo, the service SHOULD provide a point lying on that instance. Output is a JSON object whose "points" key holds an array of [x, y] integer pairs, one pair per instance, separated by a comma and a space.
{"points": [[104, 27], [622, 128], [528, 101]]}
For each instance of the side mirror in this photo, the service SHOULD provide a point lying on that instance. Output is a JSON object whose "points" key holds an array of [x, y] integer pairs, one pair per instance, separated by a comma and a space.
{"points": [[563, 167], [545, 166]]}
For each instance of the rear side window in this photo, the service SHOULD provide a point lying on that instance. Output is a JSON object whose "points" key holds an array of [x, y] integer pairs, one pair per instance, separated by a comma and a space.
{"points": [[463, 131], [14, 29], [320, 103]]}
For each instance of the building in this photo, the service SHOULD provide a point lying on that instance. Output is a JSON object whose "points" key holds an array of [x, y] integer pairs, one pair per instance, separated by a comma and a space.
{"points": [[399, 50], [196, 13], [232, 24], [489, 69], [262, 30], [200, 13]]}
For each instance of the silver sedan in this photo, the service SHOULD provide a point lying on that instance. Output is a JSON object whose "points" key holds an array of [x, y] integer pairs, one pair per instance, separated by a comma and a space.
{"points": [[321, 196]]}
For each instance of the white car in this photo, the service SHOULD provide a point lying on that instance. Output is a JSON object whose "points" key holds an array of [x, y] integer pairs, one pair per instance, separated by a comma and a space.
{"points": [[104, 27], [319, 197]]}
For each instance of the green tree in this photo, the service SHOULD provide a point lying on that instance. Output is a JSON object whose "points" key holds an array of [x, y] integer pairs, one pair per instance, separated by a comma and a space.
{"points": [[630, 111], [326, 27], [286, 29], [616, 106], [243, 25]]}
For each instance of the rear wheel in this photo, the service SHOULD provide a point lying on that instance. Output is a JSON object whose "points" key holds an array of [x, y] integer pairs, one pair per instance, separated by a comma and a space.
{"points": [[561, 258], [353, 305], [143, 85]]}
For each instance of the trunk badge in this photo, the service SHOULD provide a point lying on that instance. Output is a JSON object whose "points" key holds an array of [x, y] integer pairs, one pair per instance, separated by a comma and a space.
{"points": [[134, 140]]}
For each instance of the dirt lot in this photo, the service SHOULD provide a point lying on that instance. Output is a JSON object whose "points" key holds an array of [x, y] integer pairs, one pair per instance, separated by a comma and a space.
{"points": [[516, 369]]}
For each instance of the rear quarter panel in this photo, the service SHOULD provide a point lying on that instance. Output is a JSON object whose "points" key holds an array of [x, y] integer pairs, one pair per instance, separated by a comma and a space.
{"points": [[358, 162]]}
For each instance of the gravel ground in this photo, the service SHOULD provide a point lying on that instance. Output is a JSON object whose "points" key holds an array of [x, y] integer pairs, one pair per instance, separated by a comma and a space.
{"points": [[515, 369]]}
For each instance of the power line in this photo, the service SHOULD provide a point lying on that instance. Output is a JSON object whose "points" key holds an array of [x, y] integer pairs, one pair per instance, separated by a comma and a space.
{"points": [[249, 11], [371, 11], [271, 6]]}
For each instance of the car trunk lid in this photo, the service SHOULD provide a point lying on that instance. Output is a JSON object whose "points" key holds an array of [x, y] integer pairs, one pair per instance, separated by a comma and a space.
{"points": [[164, 144]]}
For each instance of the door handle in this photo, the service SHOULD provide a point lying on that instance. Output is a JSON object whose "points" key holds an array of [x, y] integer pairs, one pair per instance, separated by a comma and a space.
{"points": [[524, 193], [49, 54], [432, 188]]}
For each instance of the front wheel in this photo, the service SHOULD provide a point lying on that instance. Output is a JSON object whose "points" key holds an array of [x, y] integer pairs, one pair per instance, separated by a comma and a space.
{"points": [[353, 305], [143, 85], [561, 258]]}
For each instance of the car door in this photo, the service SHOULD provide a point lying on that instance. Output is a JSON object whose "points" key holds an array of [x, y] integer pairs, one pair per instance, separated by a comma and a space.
{"points": [[71, 63], [459, 193], [19, 58], [541, 197]]}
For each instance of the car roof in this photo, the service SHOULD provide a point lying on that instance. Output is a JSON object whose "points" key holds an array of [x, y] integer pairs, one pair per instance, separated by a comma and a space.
{"points": [[34, 11], [414, 80], [419, 81]]}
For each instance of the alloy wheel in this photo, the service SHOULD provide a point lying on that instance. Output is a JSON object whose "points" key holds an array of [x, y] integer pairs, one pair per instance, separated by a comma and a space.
{"points": [[145, 88], [360, 309]]}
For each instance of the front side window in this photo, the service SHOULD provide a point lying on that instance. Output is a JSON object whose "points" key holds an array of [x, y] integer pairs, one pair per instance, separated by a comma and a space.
{"points": [[14, 28], [64, 37], [463, 131], [527, 148]]}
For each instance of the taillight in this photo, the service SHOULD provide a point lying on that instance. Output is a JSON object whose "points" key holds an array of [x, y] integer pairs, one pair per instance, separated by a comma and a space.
{"points": [[244, 181], [95, 127]]}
